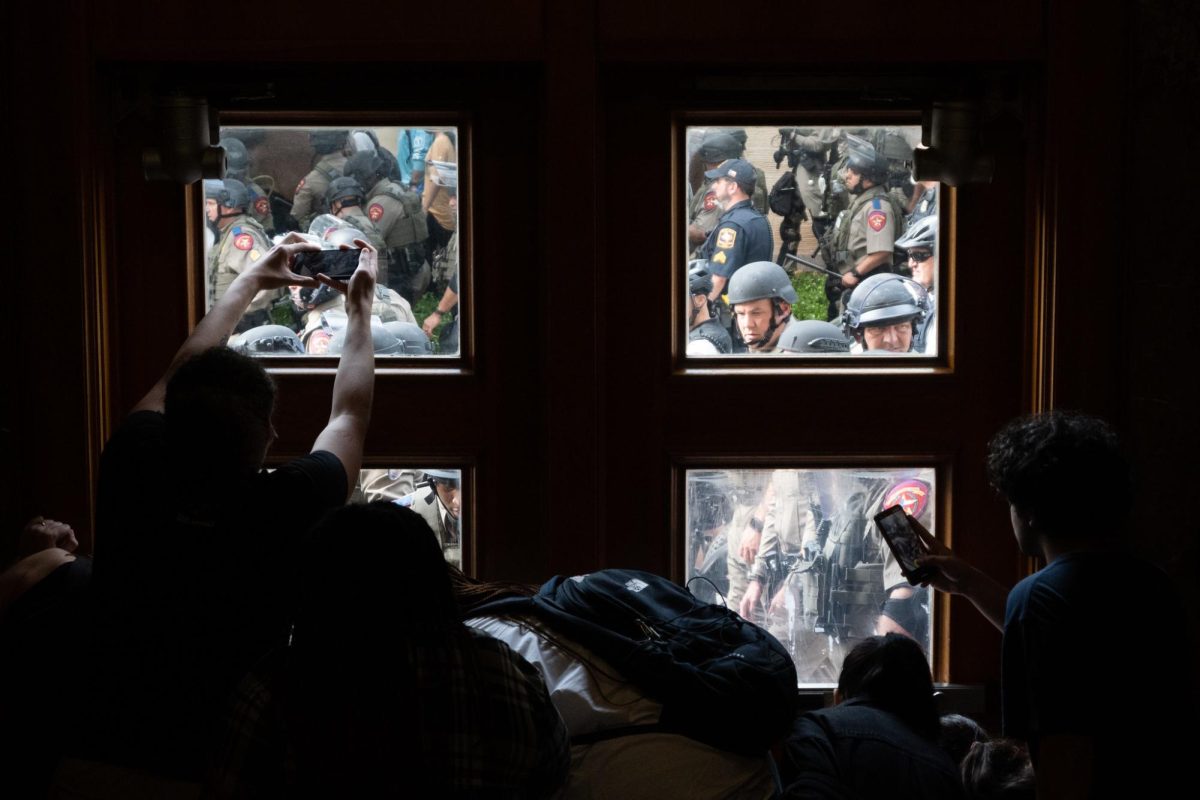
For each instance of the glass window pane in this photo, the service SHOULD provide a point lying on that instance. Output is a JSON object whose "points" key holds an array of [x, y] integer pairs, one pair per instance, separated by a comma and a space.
{"points": [[822, 204], [396, 188], [435, 494], [797, 551]]}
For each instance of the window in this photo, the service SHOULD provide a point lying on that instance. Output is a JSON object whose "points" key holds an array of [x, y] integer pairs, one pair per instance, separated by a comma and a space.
{"points": [[394, 187], [436, 494], [838, 199], [797, 551]]}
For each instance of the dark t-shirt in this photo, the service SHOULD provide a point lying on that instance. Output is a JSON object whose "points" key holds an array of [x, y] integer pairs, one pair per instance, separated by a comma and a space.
{"points": [[190, 591], [855, 750], [1079, 636]]}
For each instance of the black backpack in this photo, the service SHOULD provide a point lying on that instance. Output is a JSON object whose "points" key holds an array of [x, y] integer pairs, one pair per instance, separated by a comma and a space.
{"points": [[721, 680], [784, 195]]}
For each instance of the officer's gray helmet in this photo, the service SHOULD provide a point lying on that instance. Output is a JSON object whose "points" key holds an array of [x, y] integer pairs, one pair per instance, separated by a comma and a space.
{"points": [[327, 141], [237, 159], [269, 339], [366, 168], [415, 342], [813, 336], [892, 145], [344, 188], [447, 174], [699, 278], [739, 135], [886, 299], [344, 235], [383, 341], [922, 233], [759, 280], [450, 476], [229, 193], [864, 159], [717, 147]]}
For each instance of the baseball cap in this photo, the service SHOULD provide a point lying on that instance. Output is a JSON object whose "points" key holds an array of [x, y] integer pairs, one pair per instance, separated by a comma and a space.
{"points": [[736, 169]]}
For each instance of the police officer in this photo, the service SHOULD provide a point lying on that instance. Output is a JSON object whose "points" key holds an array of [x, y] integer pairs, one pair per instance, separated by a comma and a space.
{"points": [[396, 214], [742, 234], [758, 198], [761, 295], [438, 503], [919, 244], [813, 336], [864, 241], [241, 241], [892, 145], [237, 166], [703, 211], [706, 336], [329, 148], [344, 201], [884, 314], [710, 511]]}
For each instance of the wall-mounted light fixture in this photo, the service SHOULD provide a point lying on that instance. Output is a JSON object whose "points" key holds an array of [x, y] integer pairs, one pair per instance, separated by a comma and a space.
{"points": [[185, 152]]}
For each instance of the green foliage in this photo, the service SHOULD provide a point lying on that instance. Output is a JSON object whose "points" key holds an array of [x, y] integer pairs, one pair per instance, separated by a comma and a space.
{"points": [[811, 302], [426, 306]]}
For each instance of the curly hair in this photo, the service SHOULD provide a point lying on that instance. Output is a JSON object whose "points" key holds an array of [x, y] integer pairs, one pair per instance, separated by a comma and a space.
{"points": [[1064, 469]]}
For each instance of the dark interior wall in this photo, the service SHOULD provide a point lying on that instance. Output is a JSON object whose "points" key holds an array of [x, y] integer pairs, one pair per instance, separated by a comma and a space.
{"points": [[1111, 82]]}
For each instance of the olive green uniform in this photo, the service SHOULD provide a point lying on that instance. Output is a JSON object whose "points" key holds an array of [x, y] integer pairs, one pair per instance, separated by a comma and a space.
{"points": [[397, 215], [260, 205], [388, 305], [243, 241], [871, 224], [310, 193]]}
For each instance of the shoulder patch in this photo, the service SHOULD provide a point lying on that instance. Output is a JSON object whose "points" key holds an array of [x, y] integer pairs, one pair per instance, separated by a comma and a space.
{"points": [[876, 220], [719, 258], [262, 206], [911, 495], [710, 201], [726, 237], [255, 255], [243, 241], [375, 212], [875, 204]]}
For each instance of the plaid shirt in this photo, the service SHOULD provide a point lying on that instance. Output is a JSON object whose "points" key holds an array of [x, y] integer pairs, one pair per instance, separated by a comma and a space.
{"points": [[482, 722]]}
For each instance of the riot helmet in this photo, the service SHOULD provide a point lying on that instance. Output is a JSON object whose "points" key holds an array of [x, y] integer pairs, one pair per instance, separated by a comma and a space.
{"points": [[237, 159], [717, 147], [447, 476], [366, 168], [324, 142], [921, 234], [882, 300], [699, 278], [269, 339], [413, 340], [383, 341], [344, 190], [863, 158], [362, 141], [893, 146], [229, 193], [739, 135], [759, 280], [813, 336]]}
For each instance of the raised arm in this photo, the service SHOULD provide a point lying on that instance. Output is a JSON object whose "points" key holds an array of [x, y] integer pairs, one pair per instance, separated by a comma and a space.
{"points": [[270, 272], [955, 576], [354, 386]]}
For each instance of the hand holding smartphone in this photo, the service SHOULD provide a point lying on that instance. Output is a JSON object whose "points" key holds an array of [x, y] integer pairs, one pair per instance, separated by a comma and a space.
{"points": [[337, 264], [904, 543]]}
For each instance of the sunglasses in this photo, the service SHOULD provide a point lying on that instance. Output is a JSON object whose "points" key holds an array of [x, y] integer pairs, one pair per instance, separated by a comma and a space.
{"points": [[920, 255]]}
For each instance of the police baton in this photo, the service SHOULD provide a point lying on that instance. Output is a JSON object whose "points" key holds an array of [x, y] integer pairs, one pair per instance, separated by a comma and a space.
{"points": [[808, 262]]}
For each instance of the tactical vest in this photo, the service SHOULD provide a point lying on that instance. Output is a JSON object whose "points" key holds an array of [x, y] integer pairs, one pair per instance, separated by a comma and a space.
{"points": [[218, 261], [413, 227], [711, 331], [842, 238]]}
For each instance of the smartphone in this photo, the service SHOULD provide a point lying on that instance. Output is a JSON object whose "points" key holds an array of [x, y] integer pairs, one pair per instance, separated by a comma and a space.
{"points": [[904, 543], [338, 264]]}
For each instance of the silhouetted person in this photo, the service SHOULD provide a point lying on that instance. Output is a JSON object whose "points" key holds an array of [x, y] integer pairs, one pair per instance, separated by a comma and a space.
{"points": [[998, 769]]}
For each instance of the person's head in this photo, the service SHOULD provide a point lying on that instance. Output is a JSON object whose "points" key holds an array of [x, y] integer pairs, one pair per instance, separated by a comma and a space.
{"points": [[237, 158], [761, 294], [732, 181], [224, 199], [865, 167], [700, 284], [813, 336], [957, 734], [446, 483], [884, 311], [367, 168], [891, 673], [343, 193], [347, 595], [718, 147], [218, 411], [325, 142], [919, 243], [998, 769], [1064, 476]]}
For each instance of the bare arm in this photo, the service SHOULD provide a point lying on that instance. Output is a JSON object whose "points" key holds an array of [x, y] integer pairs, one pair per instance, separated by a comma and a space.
{"points": [[718, 287], [449, 300], [354, 385], [270, 272], [955, 576]]}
